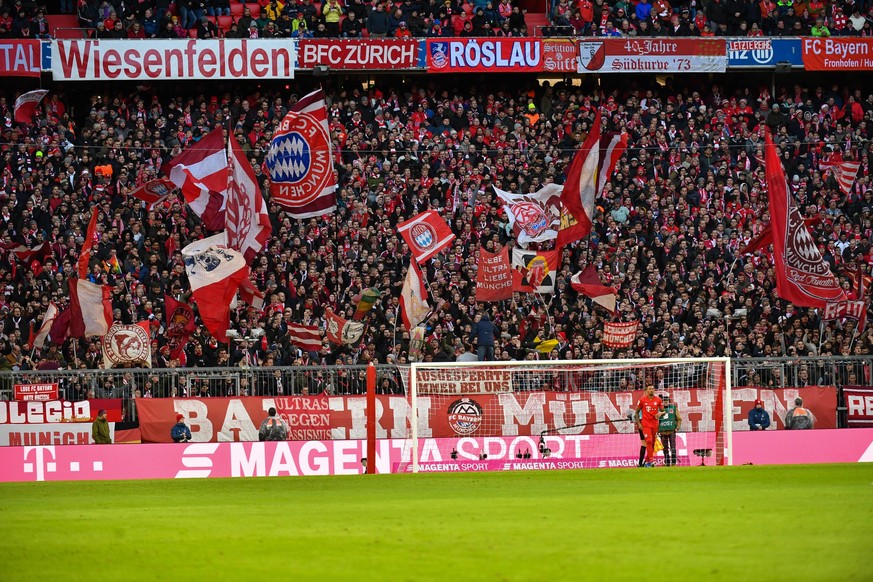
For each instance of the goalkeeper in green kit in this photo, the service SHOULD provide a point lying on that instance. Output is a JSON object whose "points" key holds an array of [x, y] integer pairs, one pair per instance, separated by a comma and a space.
{"points": [[668, 426]]}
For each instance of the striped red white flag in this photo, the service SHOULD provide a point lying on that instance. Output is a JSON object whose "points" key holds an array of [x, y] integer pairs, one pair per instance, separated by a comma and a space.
{"points": [[200, 171], [305, 337], [844, 172]]}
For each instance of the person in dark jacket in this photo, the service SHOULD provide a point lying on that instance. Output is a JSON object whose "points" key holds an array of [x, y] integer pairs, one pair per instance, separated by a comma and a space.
{"points": [[482, 335], [377, 22], [180, 433], [759, 419], [100, 430]]}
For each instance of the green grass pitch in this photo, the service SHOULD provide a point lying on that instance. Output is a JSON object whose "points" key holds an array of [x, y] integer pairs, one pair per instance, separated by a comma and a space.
{"points": [[685, 523]]}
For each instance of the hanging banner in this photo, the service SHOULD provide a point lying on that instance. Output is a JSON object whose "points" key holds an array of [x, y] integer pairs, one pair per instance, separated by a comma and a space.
{"points": [[859, 406], [620, 335], [494, 276], [491, 55], [652, 55], [838, 54], [559, 55], [370, 54], [180, 60], [761, 52], [36, 391], [20, 58]]}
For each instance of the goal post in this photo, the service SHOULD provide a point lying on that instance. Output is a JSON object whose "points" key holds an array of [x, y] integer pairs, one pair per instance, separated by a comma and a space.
{"points": [[561, 413]]}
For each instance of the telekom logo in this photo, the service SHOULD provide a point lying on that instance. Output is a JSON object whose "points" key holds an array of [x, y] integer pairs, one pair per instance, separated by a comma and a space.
{"points": [[43, 461], [198, 459]]}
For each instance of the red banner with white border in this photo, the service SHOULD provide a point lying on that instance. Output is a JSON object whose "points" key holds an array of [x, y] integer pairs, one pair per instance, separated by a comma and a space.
{"points": [[652, 55], [181, 60], [358, 54], [450, 414], [36, 391], [40, 412], [559, 55], [859, 406], [20, 58], [620, 335], [837, 54], [485, 55]]}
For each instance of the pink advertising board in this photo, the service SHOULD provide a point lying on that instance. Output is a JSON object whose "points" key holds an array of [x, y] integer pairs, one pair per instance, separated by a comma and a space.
{"points": [[292, 458]]}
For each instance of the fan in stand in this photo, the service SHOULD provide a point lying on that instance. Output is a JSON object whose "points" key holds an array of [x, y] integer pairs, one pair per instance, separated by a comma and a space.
{"points": [[702, 453]]}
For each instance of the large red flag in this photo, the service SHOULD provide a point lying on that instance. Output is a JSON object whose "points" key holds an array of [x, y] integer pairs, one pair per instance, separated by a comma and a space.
{"points": [[180, 325], [586, 177], [216, 273], [85, 254], [90, 308], [246, 216], [426, 234], [299, 160], [60, 329], [201, 173], [802, 276], [588, 284], [494, 276], [26, 104]]}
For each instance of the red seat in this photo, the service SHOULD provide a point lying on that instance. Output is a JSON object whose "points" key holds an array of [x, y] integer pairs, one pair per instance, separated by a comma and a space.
{"points": [[236, 9], [192, 33], [225, 22], [256, 10]]}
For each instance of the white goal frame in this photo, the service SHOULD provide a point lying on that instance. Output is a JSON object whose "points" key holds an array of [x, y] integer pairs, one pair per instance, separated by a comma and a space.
{"points": [[727, 404]]}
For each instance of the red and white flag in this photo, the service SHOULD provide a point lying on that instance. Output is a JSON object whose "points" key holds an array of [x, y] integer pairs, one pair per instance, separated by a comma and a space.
{"points": [[426, 234], [25, 254], [251, 294], [586, 177], [88, 245], [305, 337], [494, 276], [215, 273], [299, 162], [533, 217], [246, 217], [46, 326], [802, 276], [200, 171], [844, 171], [26, 104], [413, 298], [154, 192], [620, 335], [60, 329], [90, 308], [588, 284], [341, 331]]}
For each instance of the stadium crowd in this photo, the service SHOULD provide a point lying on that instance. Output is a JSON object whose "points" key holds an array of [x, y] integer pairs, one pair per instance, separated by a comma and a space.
{"points": [[433, 18], [686, 196]]}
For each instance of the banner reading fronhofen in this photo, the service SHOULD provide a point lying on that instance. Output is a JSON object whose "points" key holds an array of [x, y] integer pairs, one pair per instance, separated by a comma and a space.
{"points": [[652, 55], [126, 60], [838, 54]]}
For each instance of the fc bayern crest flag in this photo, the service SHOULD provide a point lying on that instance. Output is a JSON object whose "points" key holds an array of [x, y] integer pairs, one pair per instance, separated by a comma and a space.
{"points": [[154, 192], [124, 345], [426, 234], [534, 217], [299, 161]]}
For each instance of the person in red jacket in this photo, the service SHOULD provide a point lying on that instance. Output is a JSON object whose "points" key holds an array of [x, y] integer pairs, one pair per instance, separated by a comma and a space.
{"points": [[650, 408]]}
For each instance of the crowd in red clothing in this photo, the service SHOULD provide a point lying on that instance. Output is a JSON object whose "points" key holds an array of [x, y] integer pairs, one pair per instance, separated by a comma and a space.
{"points": [[685, 197]]}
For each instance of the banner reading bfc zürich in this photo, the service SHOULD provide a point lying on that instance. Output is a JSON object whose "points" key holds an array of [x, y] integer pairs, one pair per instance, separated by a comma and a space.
{"points": [[763, 52]]}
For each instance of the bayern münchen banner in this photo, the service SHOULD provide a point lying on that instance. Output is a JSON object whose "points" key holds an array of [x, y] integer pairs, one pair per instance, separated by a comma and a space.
{"points": [[426, 235], [179, 60], [534, 217], [652, 55], [494, 276], [299, 161], [620, 335]]}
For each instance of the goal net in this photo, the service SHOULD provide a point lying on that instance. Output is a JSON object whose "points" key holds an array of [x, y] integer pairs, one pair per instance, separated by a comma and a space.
{"points": [[562, 414]]}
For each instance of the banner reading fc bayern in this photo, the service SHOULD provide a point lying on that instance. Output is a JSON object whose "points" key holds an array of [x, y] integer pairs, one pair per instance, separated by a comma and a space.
{"points": [[127, 60], [652, 55], [838, 54], [492, 55]]}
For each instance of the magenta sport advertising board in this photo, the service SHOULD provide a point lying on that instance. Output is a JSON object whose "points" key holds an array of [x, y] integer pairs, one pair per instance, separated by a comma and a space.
{"points": [[298, 458]]}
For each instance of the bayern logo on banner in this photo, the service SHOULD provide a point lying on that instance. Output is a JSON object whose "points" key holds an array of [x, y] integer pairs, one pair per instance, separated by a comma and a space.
{"points": [[154, 192], [654, 55], [534, 217], [620, 335], [426, 234], [124, 345], [299, 162], [469, 55]]}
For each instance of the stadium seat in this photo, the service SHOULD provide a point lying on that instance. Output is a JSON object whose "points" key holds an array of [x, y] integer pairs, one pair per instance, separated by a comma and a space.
{"points": [[236, 9], [535, 23], [256, 10], [225, 22], [468, 8], [192, 33]]}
